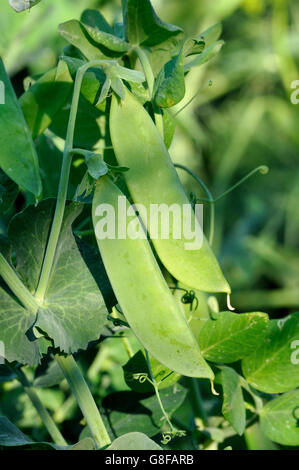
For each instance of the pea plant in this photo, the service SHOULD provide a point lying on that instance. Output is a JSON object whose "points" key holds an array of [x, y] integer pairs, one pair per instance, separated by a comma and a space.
{"points": [[91, 132]]}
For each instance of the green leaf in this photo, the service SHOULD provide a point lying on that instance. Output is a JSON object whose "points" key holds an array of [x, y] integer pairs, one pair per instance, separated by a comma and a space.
{"points": [[18, 157], [90, 124], [8, 193], [232, 336], [256, 439], [205, 56], [118, 87], [212, 34], [128, 411], [92, 81], [233, 407], [273, 367], [138, 365], [96, 165], [280, 419], [84, 444], [74, 32], [102, 34], [15, 322], [142, 25], [10, 435], [42, 101], [133, 441], [73, 312], [171, 83], [48, 374]]}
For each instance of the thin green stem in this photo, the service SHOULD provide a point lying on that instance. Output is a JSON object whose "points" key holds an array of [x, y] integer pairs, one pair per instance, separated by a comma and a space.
{"points": [[63, 184], [41, 410], [263, 169], [210, 198], [156, 388], [16, 285], [85, 399], [202, 88]]}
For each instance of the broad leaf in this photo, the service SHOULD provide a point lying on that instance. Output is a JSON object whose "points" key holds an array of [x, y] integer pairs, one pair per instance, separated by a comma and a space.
{"points": [[171, 83], [8, 192], [74, 32], [232, 336], [142, 25], [273, 367], [133, 441], [233, 407], [10, 435], [280, 419], [48, 374], [90, 124], [18, 157], [256, 439], [73, 312], [45, 98], [102, 34], [136, 369], [15, 322]]}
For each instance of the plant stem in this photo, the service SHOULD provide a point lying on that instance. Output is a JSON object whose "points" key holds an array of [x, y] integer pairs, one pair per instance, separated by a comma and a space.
{"points": [[127, 345], [210, 198], [156, 388], [85, 399], [16, 285], [43, 413], [63, 183], [68, 366]]}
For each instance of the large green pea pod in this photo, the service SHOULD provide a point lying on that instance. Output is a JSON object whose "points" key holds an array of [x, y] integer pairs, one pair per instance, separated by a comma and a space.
{"points": [[152, 179], [142, 291]]}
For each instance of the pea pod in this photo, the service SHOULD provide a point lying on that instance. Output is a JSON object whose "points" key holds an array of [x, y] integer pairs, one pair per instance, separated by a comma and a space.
{"points": [[152, 179], [143, 294]]}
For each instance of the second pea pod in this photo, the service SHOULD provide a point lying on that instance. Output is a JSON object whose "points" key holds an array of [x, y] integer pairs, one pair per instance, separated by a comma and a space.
{"points": [[153, 180], [141, 290]]}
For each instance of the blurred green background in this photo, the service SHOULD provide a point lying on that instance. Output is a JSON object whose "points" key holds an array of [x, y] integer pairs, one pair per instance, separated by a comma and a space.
{"points": [[245, 119]]}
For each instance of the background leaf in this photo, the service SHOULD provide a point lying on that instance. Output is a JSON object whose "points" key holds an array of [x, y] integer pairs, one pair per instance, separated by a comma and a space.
{"points": [[18, 157], [143, 26], [134, 441], [280, 418], [232, 336], [74, 312], [270, 367], [233, 407]]}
